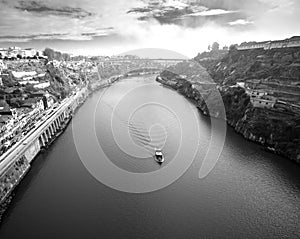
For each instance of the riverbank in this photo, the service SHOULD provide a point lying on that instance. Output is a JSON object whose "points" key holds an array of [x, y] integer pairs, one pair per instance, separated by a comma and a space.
{"points": [[274, 131], [246, 188], [16, 163], [12, 175]]}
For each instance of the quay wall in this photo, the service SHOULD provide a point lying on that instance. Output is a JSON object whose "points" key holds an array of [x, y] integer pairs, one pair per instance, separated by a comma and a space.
{"points": [[15, 163]]}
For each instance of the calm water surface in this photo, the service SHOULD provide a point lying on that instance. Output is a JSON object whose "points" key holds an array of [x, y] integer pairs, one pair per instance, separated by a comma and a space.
{"points": [[249, 194]]}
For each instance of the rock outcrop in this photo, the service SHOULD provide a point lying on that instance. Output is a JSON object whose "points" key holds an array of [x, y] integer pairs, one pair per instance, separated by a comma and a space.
{"points": [[276, 129]]}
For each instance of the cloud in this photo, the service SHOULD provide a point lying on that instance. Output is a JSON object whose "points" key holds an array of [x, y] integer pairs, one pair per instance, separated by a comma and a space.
{"points": [[212, 12], [240, 22], [58, 36], [187, 13], [46, 8], [42, 20], [187, 26]]}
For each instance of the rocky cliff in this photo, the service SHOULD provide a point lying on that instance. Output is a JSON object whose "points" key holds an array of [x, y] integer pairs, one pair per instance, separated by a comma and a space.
{"points": [[275, 128], [275, 65]]}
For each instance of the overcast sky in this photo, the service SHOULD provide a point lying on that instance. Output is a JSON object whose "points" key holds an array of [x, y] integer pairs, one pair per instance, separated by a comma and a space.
{"points": [[107, 27]]}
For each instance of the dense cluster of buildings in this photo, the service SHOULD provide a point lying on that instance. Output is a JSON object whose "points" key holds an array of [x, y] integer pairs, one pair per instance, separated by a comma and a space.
{"points": [[16, 52], [23, 77], [34, 89], [26, 92], [15, 123], [267, 45]]}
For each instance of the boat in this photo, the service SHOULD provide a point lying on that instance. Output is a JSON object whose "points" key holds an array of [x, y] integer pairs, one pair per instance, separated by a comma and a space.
{"points": [[159, 157]]}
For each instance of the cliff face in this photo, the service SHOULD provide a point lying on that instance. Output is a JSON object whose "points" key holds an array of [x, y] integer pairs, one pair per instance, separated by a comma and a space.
{"points": [[59, 83], [276, 129], [274, 65], [279, 132]]}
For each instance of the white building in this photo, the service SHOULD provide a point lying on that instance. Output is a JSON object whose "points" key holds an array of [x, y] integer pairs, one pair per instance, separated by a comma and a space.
{"points": [[3, 66], [29, 52], [32, 82], [42, 85], [267, 45], [14, 52], [21, 74], [263, 103], [3, 53]]}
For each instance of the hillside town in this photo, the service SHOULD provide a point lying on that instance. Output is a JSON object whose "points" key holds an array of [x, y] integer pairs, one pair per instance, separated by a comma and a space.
{"points": [[33, 83], [31, 86], [13, 53]]}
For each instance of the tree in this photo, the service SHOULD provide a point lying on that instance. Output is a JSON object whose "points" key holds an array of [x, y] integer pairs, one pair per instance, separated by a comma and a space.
{"points": [[49, 53], [233, 48], [215, 46], [66, 57], [209, 47], [57, 55], [29, 88]]}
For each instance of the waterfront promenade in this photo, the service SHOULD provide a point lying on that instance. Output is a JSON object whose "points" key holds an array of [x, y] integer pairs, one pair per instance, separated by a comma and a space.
{"points": [[20, 148]]}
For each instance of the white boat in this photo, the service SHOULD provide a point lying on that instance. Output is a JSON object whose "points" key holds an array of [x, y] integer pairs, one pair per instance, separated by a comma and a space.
{"points": [[159, 157]]}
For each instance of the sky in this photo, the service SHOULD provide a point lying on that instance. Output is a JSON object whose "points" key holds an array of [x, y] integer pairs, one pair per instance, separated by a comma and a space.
{"points": [[111, 27]]}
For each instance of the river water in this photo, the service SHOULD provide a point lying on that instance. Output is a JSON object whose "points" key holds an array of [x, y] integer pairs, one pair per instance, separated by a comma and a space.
{"points": [[250, 193]]}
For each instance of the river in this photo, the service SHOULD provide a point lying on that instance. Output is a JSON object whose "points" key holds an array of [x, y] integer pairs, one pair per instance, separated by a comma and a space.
{"points": [[250, 193]]}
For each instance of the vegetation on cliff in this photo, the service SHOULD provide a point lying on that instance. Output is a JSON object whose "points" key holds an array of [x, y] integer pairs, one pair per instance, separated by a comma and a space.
{"points": [[278, 71], [270, 64]]}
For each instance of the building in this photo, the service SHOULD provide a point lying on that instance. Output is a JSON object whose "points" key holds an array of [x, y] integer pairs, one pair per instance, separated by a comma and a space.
{"points": [[261, 99], [17, 52], [267, 45], [24, 75], [13, 52], [29, 53], [257, 93], [3, 53], [263, 102], [42, 85], [3, 66]]}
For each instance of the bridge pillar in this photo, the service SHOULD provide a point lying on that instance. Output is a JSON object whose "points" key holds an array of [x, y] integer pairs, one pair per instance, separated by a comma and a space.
{"points": [[54, 126], [51, 129], [41, 140], [45, 137], [59, 121], [48, 133]]}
